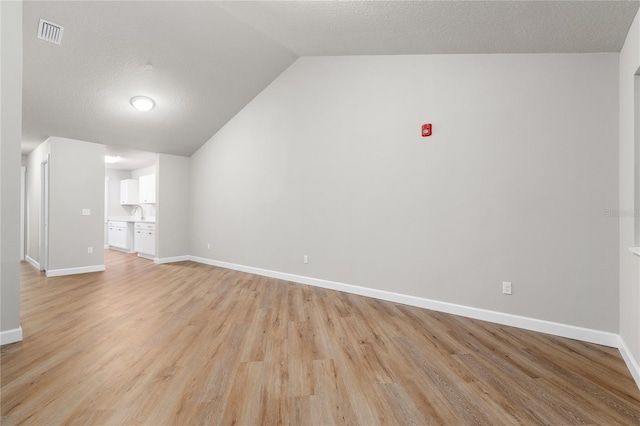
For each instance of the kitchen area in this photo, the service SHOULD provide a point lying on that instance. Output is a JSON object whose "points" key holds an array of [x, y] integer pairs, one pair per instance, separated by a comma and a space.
{"points": [[130, 203]]}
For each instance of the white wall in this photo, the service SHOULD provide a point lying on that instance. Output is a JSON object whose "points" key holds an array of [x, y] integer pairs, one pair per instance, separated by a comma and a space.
{"points": [[629, 263], [10, 134], [172, 231], [151, 170], [114, 208], [77, 173], [76, 182], [513, 185], [34, 196]]}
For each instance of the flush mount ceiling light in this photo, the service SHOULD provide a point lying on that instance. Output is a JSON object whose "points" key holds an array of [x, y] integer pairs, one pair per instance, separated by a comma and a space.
{"points": [[142, 103], [111, 159]]}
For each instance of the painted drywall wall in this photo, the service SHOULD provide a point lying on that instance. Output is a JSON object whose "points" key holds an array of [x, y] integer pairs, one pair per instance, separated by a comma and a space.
{"points": [[512, 186], [114, 208], [629, 263], [11, 135], [172, 232], [76, 170], [34, 200]]}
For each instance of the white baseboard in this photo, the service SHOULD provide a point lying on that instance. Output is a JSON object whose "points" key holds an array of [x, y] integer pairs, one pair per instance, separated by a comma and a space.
{"points": [[32, 262], [527, 323], [73, 271], [120, 249], [11, 336], [632, 364], [161, 260]]}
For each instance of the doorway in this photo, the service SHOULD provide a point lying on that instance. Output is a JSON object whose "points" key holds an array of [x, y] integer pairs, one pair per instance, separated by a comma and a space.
{"points": [[23, 179], [44, 216], [636, 155]]}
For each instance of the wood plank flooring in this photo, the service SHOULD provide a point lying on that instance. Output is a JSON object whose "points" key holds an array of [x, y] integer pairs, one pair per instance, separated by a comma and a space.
{"points": [[185, 343]]}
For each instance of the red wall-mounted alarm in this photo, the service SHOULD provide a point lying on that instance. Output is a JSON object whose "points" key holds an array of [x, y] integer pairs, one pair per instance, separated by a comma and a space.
{"points": [[426, 130]]}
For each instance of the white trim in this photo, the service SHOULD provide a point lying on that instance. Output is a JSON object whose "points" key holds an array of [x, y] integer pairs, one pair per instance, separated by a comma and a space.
{"points": [[10, 336], [557, 329], [161, 260], [635, 250], [632, 364], [120, 249], [146, 256], [32, 262], [106, 246], [74, 271], [23, 208]]}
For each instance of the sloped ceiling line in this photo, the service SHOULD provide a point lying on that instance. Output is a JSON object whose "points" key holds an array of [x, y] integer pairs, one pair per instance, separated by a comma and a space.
{"points": [[209, 59]]}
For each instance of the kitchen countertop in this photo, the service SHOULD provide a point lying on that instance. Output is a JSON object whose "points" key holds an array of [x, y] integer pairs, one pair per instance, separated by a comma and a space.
{"points": [[132, 219]]}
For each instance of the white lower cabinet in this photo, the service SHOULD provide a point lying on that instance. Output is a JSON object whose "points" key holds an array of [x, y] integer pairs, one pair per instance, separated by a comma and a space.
{"points": [[145, 239], [120, 235]]}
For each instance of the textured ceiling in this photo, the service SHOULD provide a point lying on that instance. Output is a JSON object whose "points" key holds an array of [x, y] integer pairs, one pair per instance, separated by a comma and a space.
{"points": [[203, 62], [311, 28], [205, 67]]}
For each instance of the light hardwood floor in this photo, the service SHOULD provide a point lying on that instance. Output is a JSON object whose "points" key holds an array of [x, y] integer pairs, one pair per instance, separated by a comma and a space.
{"points": [[187, 344]]}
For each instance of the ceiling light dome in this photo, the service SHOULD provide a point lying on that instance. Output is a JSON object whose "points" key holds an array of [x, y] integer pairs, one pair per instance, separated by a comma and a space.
{"points": [[142, 103]]}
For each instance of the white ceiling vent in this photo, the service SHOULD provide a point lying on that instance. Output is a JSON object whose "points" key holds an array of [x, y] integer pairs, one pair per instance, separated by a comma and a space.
{"points": [[48, 31]]}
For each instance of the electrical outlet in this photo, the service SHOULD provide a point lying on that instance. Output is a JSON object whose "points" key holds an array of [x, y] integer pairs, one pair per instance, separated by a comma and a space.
{"points": [[305, 259], [506, 287], [86, 212], [90, 250], [208, 246]]}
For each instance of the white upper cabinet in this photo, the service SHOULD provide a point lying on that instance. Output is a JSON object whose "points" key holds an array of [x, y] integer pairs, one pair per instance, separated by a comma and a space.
{"points": [[147, 189], [129, 191]]}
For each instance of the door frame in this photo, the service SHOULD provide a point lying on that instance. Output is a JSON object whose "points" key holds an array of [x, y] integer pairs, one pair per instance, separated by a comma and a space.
{"points": [[44, 215]]}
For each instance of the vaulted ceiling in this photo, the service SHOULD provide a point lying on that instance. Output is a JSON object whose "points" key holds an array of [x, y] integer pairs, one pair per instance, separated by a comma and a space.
{"points": [[202, 62], [199, 64]]}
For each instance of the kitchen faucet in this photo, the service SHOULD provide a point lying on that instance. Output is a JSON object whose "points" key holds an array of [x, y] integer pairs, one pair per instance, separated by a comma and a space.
{"points": [[133, 211]]}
